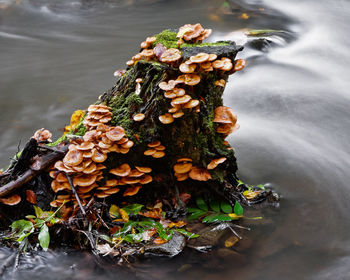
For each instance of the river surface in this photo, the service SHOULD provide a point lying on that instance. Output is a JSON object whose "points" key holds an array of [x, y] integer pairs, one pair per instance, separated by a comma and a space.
{"points": [[292, 100]]}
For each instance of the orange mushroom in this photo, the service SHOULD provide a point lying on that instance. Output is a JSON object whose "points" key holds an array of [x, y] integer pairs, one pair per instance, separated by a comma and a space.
{"points": [[139, 117], [181, 168], [166, 118], [239, 64], [122, 171], [73, 158], [116, 133], [187, 68], [215, 162], [132, 191], [199, 174], [11, 200], [199, 58], [170, 55]]}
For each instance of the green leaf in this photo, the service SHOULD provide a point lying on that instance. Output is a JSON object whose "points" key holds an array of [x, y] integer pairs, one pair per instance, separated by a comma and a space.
{"points": [[133, 209], [216, 218], [192, 210], [114, 212], [261, 186], [214, 205], [22, 225], [30, 217], [238, 210], [133, 238], [187, 233], [240, 183], [226, 207], [201, 204], [38, 211], [23, 236], [44, 237], [196, 215]]}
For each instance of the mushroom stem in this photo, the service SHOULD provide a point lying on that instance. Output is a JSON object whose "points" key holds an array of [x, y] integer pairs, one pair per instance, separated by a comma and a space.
{"points": [[75, 194]]}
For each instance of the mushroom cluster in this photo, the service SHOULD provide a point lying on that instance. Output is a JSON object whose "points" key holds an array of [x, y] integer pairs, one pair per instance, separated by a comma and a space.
{"points": [[155, 149], [184, 169], [83, 161], [42, 135], [97, 114], [124, 175], [193, 33], [227, 120]]}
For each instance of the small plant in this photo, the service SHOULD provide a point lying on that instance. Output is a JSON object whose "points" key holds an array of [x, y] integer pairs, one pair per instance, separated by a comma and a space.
{"points": [[21, 230], [144, 225], [215, 211]]}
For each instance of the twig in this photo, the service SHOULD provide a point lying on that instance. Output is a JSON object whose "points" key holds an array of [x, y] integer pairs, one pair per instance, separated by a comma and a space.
{"points": [[234, 232], [75, 194], [28, 175]]}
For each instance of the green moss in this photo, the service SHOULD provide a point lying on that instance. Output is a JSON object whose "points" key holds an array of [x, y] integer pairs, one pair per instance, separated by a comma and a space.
{"points": [[168, 39]]}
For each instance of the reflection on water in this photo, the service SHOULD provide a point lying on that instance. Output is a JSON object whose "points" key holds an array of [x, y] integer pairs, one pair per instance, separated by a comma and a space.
{"points": [[292, 102]]}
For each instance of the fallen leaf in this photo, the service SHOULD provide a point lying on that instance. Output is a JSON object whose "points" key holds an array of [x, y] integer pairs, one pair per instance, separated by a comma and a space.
{"points": [[31, 196]]}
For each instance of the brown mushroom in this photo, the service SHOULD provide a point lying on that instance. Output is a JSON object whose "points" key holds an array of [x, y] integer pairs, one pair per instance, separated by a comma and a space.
{"points": [[178, 114], [98, 156], [139, 117], [184, 160], [187, 68], [181, 168], [122, 170], [149, 152], [135, 173], [116, 133], [84, 180], [168, 85], [220, 83], [73, 158], [199, 174], [144, 169], [131, 191], [42, 135], [224, 114], [191, 104], [112, 191], [170, 55], [145, 179], [11, 200], [239, 64], [189, 79], [166, 118], [215, 162], [181, 100], [199, 58], [130, 62], [181, 177], [158, 154]]}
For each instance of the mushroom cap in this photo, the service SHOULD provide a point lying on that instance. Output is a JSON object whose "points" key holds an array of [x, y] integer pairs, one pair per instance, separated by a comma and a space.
{"points": [[224, 114], [57, 186], [178, 114], [98, 156], [169, 94], [149, 152], [191, 104], [181, 177], [111, 183], [172, 110], [227, 129], [190, 79], [199, 174], [122, 170], [151, 39], [215, 162], [143, 169], [190, 31], [181, 100], [227, 66], [154, 144], [170, 55], [123, 140], [130, 181], [144, 45], [218, 64], [187, 68], [145, 179], [127, 145], [166, 118], [130, 62], [83, 190], [101, 194], [147, 53], [59, 165], [11, 200], [220, 83], [119, 73], [158, 154], [137, 56], [73, 157], [112, 191], [84, 180], [184, 160], [204, 34], [199, 58], [181, 168], [239, 64], [90, 168], [99, 108], [160, 148], [168, 85], [42, 135], [61, 178], [85, 146], [135, 173], [212, 57], [116, 133], [130, 191]]}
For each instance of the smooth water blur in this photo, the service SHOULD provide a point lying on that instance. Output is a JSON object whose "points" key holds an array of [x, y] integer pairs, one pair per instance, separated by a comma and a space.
{"points": [[292, 100]]}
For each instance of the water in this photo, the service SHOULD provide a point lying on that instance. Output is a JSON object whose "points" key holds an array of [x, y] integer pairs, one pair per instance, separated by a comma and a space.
{"points": [[291, 99]]}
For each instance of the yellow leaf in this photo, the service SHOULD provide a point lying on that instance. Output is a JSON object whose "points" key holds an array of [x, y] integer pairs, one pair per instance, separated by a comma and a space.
{"points": [[124, 215], [244, 16], [177, 224], [250, 194], [233, 215], [231, 241], [74, 120]]}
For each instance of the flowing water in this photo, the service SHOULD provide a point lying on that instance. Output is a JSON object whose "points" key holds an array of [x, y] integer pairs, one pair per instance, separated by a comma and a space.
{"points": [[292, 100]]}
